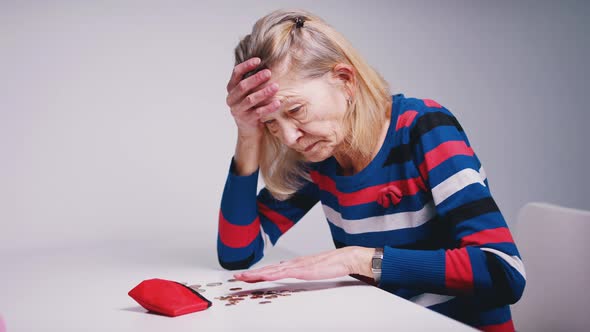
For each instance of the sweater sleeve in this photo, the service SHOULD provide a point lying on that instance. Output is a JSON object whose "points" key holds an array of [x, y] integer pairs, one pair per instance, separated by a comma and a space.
{"points": [[249, 223], [480, 257]]}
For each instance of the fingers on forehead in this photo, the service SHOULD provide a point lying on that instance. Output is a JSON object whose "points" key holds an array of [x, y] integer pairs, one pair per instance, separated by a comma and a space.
{"points": [[262, 86]]}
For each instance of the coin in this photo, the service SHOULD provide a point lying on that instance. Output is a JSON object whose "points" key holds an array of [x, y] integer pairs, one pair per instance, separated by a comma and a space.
{"points": [[235, 289], [212, 284], [264, 302]]}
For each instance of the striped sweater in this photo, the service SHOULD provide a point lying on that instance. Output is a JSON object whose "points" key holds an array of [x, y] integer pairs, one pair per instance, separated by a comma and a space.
{"points": [[425, 198]]}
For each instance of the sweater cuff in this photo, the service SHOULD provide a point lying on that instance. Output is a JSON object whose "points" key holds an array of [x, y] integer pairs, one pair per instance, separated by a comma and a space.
{"points": [[413, 268], [238, 203], [236, 177]]}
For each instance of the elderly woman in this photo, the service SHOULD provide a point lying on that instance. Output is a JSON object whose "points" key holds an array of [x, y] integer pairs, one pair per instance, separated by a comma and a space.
{"points": [[406, 198]]}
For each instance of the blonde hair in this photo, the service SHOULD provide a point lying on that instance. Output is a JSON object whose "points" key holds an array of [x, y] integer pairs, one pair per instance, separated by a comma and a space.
{"points": [[310, 52]]}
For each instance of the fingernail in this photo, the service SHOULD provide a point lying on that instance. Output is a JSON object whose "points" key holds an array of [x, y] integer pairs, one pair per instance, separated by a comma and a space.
{"points": [[255, 61]]}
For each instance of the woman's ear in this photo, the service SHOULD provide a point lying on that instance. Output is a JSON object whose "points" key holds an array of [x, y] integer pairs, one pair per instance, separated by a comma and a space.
{"points": [[346, 75]]}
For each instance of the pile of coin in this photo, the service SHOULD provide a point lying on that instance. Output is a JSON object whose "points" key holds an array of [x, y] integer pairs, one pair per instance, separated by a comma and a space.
{"points": [[265, 297]]}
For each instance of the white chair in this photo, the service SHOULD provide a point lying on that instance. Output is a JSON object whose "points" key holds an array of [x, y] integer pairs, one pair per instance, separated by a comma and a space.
{"points": [[554, 243]]}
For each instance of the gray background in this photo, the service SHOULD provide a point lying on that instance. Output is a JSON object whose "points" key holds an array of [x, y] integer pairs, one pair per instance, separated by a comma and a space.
{"points": [[114, 128]]}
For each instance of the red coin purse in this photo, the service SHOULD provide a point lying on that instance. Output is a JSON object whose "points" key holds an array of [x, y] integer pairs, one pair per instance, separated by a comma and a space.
{"points": [[168, 297]]}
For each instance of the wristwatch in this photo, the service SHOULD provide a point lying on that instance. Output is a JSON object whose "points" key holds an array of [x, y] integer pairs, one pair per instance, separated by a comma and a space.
{"points": [[376, 264]]}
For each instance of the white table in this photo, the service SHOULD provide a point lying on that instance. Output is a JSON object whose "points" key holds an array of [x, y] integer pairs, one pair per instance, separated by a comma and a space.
{"points": [[85, 289]]}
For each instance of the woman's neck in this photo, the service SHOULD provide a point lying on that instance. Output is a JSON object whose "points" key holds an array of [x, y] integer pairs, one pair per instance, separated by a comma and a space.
{"points": [[352, 162]]}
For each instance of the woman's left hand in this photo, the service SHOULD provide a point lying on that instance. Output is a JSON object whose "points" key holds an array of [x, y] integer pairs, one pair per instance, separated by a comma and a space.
{"points": [[327, 265]]}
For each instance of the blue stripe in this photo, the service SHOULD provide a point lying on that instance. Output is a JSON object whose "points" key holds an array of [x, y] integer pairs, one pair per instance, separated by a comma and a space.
{"points": [[395, 238], [238, 202], [420, 269], [367, 210], [438, 135], [494, 316], [390, 173], [480, 223], [470, 193], [450, 167], [481, 276]]}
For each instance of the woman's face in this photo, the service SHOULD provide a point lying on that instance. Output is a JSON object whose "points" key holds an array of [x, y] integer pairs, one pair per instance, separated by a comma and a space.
{"points": [[310, 119]]}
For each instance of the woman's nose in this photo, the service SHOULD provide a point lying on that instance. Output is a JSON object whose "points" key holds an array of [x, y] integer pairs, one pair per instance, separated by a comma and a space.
{"points": [[290, 134]]}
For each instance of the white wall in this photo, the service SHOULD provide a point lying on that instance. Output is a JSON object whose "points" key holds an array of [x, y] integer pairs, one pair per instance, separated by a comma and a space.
{"points": [[114, 128]]}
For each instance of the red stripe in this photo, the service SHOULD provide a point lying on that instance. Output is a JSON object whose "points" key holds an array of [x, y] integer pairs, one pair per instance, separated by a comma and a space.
{"points": [[282, 222], [237, 236], [495, 235], [366, 195], [431, 103], [405, 119], [458, 273], [503, 327], [443, 152]]}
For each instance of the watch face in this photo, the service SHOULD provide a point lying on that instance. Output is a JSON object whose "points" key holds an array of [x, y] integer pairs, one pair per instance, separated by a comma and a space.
{"points": [[376, 263]]}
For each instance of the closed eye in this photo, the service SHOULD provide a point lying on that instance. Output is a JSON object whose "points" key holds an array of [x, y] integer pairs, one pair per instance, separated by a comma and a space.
{"points": [[295, 110], [271, 125]]}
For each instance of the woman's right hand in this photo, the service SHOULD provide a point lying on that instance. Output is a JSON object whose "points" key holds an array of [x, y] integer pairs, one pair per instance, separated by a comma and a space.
{"points": [[247, 104]]}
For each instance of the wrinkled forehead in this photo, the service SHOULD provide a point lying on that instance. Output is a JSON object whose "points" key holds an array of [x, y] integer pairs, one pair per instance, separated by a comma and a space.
{"points": [[290, 85]]}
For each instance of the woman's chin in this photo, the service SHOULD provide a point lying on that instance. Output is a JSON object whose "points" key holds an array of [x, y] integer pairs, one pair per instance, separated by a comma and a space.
{"points": [[316, 156], [313, 159]]}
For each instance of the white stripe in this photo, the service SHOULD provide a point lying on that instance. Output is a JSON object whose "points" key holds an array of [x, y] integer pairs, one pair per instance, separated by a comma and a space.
{"points": [[456, 182], [482, 172], [429, 299], [266, 240], [513, 261], [381, 223]]}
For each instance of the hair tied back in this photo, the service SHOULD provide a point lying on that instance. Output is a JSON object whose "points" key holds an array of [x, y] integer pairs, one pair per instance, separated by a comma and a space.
{"points": [[299, 22]]}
